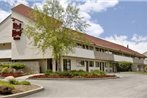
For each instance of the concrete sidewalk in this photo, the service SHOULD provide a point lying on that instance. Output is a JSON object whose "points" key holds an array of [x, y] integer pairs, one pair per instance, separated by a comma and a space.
{"points": [[27, 76]]}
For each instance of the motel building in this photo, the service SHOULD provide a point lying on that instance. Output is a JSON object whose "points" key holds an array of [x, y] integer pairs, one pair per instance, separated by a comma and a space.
{"points": [[100, 55]]}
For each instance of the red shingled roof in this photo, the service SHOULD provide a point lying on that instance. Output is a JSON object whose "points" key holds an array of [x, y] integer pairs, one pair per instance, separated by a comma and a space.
{"points": [[26, 11]]}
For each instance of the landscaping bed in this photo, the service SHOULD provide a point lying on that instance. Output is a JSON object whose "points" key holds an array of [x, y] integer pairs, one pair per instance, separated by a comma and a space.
{"points": [[11, 69], [11, 74], [12, 88], [73, 75], [46, 76]]}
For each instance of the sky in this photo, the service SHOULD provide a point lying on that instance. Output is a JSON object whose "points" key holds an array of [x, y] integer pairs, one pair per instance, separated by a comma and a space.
{"points": [[120, 21]]}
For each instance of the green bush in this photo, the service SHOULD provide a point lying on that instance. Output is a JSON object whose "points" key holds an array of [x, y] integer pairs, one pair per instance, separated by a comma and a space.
{"points": [[48, 72], [5, 70], [78, 73], [7, 84], [5, 65], [74, 73], [25, 83], [64, 73], [97, 73], [124, 66], [6, 88], [18, 66], [15, 82]]}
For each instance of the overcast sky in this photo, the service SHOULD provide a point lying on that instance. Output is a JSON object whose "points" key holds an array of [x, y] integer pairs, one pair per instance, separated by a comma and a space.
{"points": [[120, 21]]}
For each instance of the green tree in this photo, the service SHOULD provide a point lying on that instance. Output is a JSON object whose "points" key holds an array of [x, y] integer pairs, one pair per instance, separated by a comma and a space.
{"points": [[52, 28], [124, 66]]}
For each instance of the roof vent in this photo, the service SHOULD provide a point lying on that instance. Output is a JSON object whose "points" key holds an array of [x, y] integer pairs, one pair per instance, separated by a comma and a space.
{"points": [[127, 46]]}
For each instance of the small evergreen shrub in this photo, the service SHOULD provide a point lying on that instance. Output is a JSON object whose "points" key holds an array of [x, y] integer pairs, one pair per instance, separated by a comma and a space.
{"points": [[14, 82], [5, 70], [5, 65], [97, 73], [24, 82], [18, 66]]}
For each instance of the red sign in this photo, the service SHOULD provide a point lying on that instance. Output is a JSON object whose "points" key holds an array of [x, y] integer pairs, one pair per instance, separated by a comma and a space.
{"points": [[17, 29]]}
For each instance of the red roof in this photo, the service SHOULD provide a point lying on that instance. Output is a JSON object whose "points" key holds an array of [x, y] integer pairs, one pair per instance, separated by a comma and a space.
{"points": [[26, 11]]}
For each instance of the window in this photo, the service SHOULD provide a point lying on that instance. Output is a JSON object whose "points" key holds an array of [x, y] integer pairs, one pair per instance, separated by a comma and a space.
{"points": [[80, 63], [97, 64], [91, 63], [90, 48], [67, 64]]}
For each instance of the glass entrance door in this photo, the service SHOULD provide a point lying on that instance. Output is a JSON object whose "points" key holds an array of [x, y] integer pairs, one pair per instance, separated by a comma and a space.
{"points": [[66, 64]]}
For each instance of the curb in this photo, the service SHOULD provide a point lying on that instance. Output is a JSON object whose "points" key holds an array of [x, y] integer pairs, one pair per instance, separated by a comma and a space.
{"points": [[72, 78], [22, 94]]}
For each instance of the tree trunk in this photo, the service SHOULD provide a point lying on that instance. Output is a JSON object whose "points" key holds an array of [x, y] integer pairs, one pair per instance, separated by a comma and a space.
{"points": [[58, 61]]}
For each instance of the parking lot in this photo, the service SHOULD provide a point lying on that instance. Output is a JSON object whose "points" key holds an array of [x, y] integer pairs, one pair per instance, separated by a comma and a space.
{"points": [[129, 85]]}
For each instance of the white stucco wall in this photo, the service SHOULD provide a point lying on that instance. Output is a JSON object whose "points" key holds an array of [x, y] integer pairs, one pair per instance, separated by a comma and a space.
{"points": [[5, 54], [24, 48], [76, 66], [145, 62], [123, 58], [83, 53], [31, 66], [5, 31]]}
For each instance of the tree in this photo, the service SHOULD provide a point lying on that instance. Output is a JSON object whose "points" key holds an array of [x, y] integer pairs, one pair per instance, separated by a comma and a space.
{"points": [[124, 66], [52, 28]]}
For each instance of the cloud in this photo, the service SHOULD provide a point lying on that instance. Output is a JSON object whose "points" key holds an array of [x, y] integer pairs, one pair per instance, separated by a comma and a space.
{"points": [[139, 38], [94, 29], [3, 15], [16, 2], [89, 6], [133, 44], [97, 5]]}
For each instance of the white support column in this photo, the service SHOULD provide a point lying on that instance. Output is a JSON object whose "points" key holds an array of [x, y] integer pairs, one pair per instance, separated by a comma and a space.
{"points": [[54, 65], [61, 63]]}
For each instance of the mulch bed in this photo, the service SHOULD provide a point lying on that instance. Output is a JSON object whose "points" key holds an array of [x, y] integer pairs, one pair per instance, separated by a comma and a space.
{"points": [[11, 74], [46, 76]]}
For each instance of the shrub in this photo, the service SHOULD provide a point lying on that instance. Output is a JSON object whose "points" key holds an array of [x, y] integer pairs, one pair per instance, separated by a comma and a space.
{"points": [[124, 66], [48, 72], [65, 73], [97, 73], [6, 84], [5, 65], [15, 82], [25, 83], [6, 87], [78, 73], [5, 70], [74, 73], [18, 66]]}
